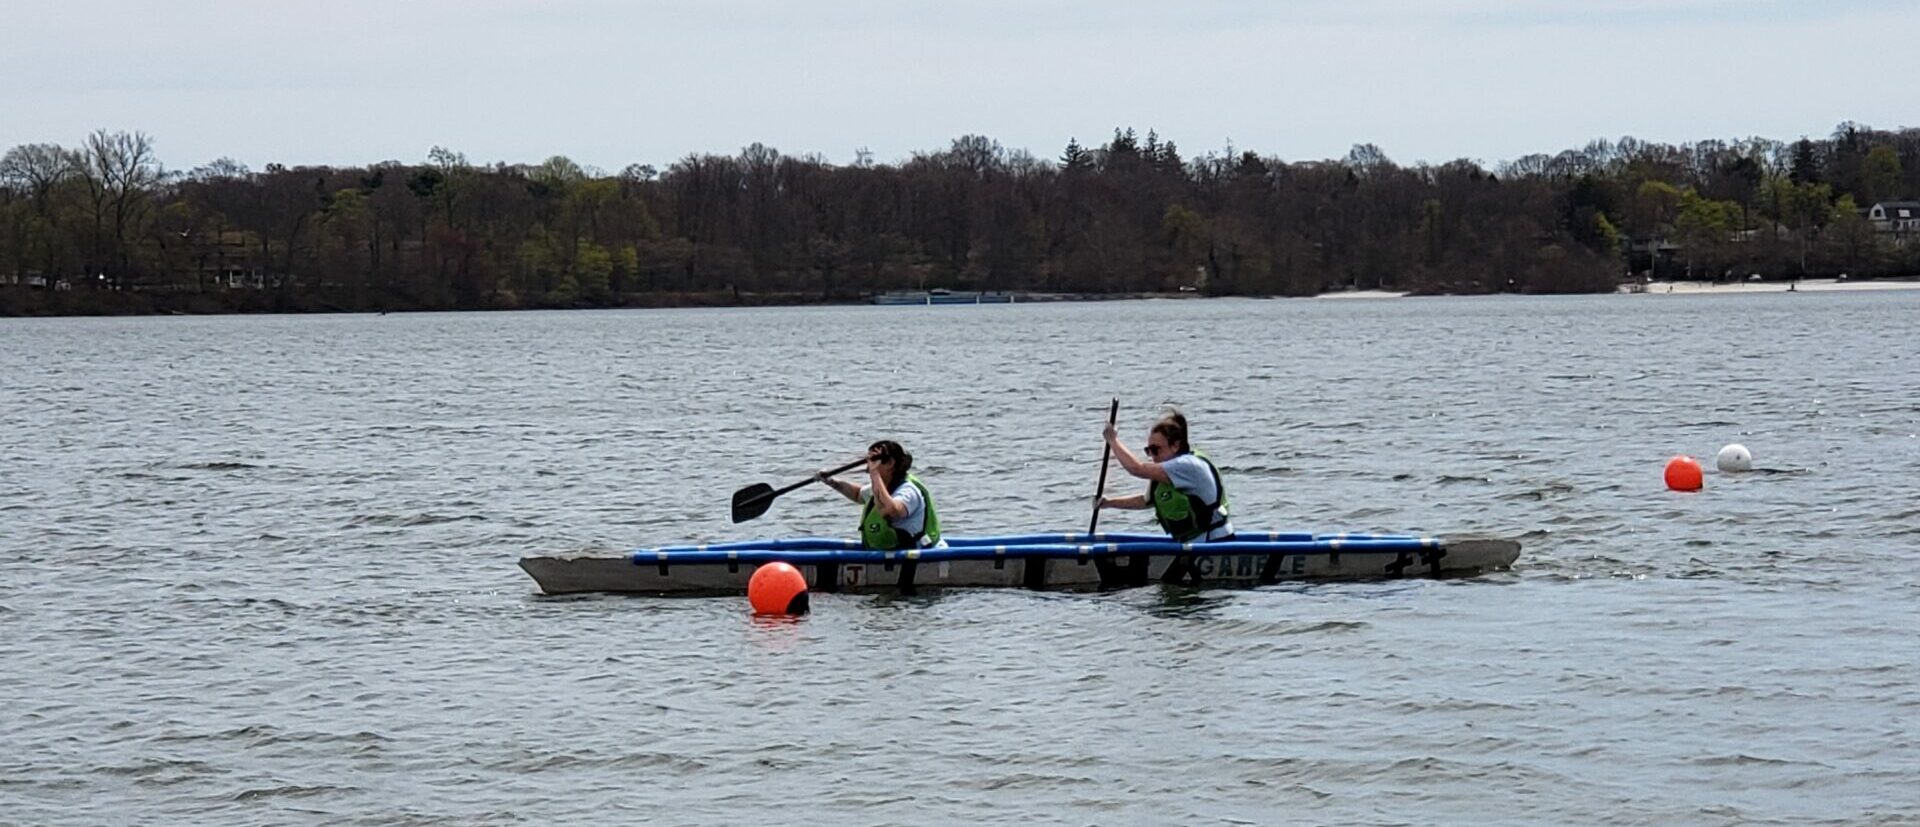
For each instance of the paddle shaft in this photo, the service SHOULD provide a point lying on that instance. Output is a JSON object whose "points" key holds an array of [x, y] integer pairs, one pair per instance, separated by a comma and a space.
{"points": [[1106, 458], [754, 500], [841, 470]]}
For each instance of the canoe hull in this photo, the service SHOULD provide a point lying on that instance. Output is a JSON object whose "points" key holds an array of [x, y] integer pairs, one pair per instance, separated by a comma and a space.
{"points": [[671, 573]]}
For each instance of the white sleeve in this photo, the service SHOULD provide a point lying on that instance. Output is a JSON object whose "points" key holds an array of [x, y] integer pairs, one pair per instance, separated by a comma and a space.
{"points": [[866, 492], [1190, 475], [909, 496]]}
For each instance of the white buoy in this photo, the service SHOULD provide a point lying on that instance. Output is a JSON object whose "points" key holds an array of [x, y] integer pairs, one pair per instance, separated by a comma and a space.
{"points": [[1734, 459]]}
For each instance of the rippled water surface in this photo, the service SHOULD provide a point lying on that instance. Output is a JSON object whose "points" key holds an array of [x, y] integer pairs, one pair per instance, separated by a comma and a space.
{"points": [[261, 570]]}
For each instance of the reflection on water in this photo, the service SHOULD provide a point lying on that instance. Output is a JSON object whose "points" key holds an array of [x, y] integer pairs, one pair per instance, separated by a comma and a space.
{"points": [[1178, 601]]}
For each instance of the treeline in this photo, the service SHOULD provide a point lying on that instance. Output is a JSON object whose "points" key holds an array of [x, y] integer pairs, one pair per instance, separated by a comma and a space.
{"points": [[105, 227]]}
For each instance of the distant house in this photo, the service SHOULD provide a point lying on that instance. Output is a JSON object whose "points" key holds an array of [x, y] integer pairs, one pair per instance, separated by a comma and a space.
{"points": [[1895, 216], [1652, 256], [240, 277]]}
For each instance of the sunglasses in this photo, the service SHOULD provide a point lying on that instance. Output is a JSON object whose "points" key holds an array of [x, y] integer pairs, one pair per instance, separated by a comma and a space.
{"points": [[1154, 450]]}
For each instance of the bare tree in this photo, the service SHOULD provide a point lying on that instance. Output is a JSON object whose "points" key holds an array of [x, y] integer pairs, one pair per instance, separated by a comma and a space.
{"points": [[35, 169], [120, 173]]}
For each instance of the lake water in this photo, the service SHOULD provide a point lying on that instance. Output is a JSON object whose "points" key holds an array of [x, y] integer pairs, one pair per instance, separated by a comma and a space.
{"points": [[261, 570]]}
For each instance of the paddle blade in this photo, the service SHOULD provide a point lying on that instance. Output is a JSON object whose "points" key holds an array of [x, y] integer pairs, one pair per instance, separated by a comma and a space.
{"points": [[752, 501]]}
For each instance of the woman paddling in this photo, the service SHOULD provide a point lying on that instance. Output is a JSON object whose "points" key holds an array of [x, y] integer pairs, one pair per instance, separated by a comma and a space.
{"points": [[1184, 488], [897, 512]]}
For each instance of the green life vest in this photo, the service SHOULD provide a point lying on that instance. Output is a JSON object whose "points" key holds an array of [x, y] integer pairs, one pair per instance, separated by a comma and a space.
{"points": [[879, 534], [1183, 516]]}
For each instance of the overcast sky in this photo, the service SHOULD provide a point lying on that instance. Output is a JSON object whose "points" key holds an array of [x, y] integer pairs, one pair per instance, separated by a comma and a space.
{"points": [[608, 83]]}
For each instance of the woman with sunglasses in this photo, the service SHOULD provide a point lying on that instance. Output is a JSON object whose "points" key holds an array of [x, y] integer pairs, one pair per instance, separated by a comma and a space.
{"points": [[896, 510], [1184, 489]]}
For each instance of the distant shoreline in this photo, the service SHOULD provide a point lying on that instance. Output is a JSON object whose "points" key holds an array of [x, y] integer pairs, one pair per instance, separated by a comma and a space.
{"points": [[20, 302]]}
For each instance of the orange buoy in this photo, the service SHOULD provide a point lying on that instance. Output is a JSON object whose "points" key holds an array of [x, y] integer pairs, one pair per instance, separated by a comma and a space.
{"points": [[1683, 474], [777, 589]]}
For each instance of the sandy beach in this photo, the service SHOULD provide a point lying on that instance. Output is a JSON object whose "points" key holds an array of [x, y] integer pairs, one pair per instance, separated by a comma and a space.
{"points": [[1665, 288], [1661, 288]]}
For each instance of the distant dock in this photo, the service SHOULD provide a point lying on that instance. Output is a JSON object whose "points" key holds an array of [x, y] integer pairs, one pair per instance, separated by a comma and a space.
{"points": [[942, 296]]}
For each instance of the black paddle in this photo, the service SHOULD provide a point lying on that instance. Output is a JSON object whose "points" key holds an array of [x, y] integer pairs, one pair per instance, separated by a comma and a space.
{"points": [[753, 500], [1036, 567], [1136, 571], [1106, 458]]}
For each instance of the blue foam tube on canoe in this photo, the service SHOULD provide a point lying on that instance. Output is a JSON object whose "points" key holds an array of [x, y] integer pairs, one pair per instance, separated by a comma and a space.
{"points": [[1129, 539], [1060, 551]]}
